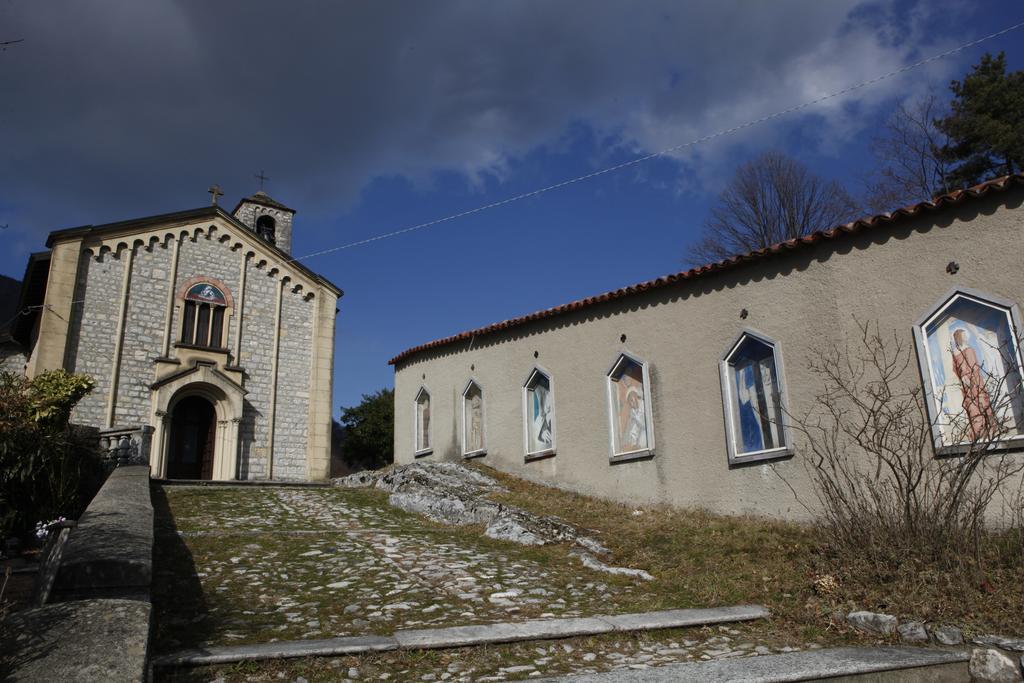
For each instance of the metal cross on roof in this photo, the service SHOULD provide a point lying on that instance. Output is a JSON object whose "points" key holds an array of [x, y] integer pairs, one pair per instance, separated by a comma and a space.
{"points": [[215, 192], [262, 178]]}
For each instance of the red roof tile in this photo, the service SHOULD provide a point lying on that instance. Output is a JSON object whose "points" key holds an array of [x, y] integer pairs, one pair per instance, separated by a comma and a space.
{"points": [[937, 203]]}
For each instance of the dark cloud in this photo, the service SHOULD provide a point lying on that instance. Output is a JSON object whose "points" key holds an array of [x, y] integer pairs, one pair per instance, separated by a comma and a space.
{"points": [[117, 107]]}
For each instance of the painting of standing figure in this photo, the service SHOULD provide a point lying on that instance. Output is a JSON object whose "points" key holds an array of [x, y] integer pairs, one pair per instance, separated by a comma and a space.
{"points": [[540, 415], [422, 421], [630, 415], [974, 364], [756, 405], [474, 419]]}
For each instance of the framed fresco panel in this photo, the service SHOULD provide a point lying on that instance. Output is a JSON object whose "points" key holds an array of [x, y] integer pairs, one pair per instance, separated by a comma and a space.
{"points": [[629, 406], [421, 439], [538, 415], [968, 348], [473, 436], [754, 398]]}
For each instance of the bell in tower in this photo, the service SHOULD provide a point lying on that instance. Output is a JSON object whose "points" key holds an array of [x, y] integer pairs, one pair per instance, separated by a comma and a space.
{"points": [[268, 218]]}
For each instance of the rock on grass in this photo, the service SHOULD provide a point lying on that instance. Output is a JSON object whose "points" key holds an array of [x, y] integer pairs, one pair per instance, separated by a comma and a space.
{"points": [[872, 622], [992, 666]]}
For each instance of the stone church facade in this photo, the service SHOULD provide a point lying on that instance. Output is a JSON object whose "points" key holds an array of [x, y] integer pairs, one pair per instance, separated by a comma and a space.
{"points": [[682, 389], [199, 330]]}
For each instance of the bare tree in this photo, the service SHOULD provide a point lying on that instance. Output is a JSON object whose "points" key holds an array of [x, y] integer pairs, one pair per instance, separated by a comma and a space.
{"points": [[882, 492], [908, 150], [771, 199]]}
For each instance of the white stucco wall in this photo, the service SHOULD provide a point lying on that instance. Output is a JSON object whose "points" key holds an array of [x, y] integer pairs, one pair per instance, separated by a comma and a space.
{"points": [[891, 275]]}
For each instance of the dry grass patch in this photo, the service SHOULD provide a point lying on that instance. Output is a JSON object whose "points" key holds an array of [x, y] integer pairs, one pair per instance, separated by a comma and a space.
{"points": [[698, 559], [702, 560]]}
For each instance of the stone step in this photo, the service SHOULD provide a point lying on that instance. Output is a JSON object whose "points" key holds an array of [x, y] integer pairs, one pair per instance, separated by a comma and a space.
{"points": [[835, 665], [462, 636]]}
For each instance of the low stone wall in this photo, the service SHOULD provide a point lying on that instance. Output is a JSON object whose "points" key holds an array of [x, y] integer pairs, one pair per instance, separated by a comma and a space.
{"points": [[99, 630], [110, 552], [82, 641]]}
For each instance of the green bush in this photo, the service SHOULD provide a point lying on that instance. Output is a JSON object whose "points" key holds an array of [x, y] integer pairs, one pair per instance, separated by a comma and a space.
{"points": [[367, 432], [47, 467]]}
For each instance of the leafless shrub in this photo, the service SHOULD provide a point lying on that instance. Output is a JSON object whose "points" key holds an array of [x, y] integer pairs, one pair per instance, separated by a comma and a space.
{"points": [[883, 493]]}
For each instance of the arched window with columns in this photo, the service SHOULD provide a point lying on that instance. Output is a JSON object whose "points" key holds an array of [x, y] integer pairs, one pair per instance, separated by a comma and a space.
{"points": [[205, 309]]}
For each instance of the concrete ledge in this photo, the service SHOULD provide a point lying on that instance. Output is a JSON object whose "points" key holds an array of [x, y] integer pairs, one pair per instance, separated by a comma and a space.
{"points": [[893, 664], [87, 640], [329, 647], [677, 618], [109, 553], [462, 636], [459, 636]]}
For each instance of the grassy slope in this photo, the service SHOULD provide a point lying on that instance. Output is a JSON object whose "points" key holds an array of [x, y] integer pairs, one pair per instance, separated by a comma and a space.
{"points": [[701, 559]]}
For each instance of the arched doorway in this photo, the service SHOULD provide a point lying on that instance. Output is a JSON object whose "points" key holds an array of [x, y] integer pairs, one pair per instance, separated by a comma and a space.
{"points": [[193, 436]]}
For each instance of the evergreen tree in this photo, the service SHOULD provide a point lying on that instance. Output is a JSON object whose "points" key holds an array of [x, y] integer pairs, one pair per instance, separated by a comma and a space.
{"points": [[367, 431], [986, 124]]}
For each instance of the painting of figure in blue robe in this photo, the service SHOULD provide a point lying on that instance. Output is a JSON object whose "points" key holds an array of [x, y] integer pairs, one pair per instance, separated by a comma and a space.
{"points": [[757, 413], [540, 416]]}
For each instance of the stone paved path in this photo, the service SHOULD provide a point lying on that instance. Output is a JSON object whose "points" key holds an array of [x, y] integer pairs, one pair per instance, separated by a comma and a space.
{"points": [[257, 565], [244, 565]]}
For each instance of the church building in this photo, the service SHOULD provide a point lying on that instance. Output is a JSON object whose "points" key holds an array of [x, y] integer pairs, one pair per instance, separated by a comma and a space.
{"points": [[202, 334]]}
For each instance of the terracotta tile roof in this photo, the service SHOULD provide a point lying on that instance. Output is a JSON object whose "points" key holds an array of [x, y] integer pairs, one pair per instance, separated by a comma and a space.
{"points": [[938, 203]]}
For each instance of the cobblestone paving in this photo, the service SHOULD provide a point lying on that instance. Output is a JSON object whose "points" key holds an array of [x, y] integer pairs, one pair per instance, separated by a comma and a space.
{"points": [[238, 565]]}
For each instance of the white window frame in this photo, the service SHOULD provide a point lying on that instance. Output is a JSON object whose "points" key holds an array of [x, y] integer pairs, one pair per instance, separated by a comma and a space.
{"points": [[483, 421], [648, 452], [416, 451], [1012, 312], [547, 452], [735, 457]]}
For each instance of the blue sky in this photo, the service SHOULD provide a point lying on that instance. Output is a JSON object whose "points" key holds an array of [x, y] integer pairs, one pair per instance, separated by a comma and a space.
{"points": [[371, 117]]}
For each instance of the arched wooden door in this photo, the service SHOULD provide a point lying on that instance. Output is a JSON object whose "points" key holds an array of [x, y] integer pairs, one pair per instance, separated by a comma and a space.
{"points": [[193, 432]]}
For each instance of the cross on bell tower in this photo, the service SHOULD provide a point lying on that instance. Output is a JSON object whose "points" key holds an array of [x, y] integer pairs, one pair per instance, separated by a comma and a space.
{"points": [[262, 178]]}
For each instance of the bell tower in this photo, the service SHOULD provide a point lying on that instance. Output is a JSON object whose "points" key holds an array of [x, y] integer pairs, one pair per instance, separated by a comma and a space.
{"points": [[269, 219]]}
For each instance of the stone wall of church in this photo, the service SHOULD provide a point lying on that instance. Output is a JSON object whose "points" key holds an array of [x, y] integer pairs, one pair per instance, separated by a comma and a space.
{"points": [[291, 426], [92, 341], [248, 212], [258, 323], [93, 330], [143, 334], [204, 256]]}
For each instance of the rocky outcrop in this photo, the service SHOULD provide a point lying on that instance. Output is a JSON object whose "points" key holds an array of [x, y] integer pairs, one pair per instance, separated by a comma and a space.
{"points": [[450, 493]]}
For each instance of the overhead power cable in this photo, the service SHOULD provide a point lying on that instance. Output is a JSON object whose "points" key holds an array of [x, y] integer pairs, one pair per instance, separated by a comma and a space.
{"points": [[669, 150]]}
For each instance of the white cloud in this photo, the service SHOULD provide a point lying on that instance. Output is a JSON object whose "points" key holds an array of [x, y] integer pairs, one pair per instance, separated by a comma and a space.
{"points": [[123, 106]]}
